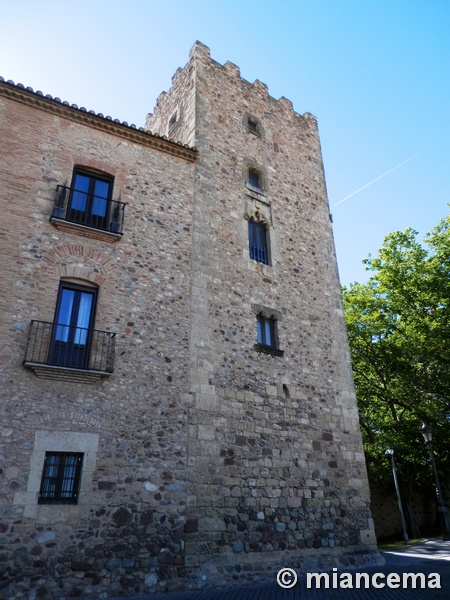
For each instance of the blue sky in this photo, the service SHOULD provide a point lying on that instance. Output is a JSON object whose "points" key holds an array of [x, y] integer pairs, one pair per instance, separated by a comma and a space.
{"points": [[376, 73]]}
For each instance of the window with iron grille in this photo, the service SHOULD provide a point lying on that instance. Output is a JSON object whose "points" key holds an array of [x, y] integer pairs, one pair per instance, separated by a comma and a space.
{"points": [[258, 242], [60, 478]]}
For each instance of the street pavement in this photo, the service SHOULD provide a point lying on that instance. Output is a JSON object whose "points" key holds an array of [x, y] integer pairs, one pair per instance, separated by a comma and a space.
{"points": [[431, 556]]}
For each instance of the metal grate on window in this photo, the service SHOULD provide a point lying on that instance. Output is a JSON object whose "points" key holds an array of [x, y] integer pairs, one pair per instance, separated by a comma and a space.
{"points": [[60, 478], [257, 241]]}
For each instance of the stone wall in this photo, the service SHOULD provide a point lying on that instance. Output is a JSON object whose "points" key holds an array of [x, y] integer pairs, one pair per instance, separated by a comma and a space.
{"points": [[274, 445], [386, 514], [207, 458]]}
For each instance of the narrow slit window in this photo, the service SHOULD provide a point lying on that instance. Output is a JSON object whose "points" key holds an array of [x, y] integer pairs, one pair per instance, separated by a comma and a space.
{"points": [[173, 120]]}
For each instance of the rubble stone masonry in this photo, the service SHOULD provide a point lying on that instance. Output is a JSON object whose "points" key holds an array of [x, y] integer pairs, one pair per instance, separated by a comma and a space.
{"points": [[208, 456]]}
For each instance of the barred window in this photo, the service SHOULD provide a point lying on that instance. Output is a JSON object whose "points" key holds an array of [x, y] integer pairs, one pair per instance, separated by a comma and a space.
{"points": [[258, 242], [60, 478]]}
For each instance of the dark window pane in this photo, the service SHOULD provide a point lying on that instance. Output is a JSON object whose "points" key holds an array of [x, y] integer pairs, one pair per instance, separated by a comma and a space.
{"points": [[260, 336], [60, 478], [74, 320], [100, 199], [90, 200], [266, 331], [257, 237], [64, 315], [254, 178], [80, 194]]}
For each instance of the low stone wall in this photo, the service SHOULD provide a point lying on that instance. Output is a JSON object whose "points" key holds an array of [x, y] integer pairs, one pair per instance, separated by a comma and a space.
{"points": [[386, 514]]}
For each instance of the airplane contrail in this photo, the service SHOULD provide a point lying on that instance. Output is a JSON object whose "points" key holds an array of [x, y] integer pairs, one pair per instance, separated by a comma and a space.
{"points": [[380, 177]]}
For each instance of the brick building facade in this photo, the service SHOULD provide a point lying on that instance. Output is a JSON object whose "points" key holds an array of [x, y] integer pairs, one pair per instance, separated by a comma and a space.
{"points": [[177, 398]]}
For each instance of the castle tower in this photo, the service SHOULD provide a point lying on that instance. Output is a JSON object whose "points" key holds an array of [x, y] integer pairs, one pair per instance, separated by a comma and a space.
{"points": [[275, 454]]}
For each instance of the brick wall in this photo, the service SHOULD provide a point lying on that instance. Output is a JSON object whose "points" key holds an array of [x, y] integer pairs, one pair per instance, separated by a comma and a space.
{"points": [[137, 499]]}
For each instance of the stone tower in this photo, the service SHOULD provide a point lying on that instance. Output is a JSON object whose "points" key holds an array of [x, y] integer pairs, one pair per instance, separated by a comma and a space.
{"points": [[275, 455], [176, 392]]}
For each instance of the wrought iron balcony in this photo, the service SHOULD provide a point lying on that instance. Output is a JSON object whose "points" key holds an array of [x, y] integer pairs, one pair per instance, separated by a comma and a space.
{"points": [[54, 348], [88, 210]]}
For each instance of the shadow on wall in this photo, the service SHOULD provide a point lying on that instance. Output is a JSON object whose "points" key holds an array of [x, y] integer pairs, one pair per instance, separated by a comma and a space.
{"points": [[386, 515]]}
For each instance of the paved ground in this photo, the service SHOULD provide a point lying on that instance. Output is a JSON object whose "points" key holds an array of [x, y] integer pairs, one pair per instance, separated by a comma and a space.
{"points": [[432, 556]]}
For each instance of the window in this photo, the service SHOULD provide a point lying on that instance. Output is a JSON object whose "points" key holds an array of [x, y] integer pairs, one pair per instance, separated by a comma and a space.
{"points": [[60, 478], [90, 200], [258, 241], [254, 178], [54, 479], [267, 320], [73, 324], [69, 341], [88, 205], [252, 125], [266, 331]]}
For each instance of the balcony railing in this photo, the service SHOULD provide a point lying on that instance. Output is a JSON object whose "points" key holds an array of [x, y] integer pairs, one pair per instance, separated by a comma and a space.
{"points": [[69, 347], [88, 210], [259, 253]]}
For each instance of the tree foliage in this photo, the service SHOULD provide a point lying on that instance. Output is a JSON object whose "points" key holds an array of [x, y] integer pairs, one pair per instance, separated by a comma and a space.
{"points": [[398, 326]]}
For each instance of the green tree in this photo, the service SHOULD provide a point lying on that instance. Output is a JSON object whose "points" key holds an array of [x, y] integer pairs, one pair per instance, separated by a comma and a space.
{"points": [[398, 326]]}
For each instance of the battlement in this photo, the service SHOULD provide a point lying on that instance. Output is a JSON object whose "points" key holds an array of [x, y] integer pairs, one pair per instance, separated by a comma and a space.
{"points": [[176, 113], [202, 52]]}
